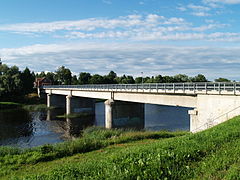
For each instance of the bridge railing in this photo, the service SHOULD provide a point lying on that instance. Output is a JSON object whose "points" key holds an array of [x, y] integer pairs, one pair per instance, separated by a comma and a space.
{"points": [[201, 87]]}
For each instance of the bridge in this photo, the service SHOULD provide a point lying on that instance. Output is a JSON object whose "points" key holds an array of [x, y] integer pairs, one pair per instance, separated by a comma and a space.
{"points": [[212, 102]]}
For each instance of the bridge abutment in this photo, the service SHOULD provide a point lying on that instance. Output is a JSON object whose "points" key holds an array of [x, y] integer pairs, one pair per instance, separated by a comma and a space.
{"points": [[117, 114]]}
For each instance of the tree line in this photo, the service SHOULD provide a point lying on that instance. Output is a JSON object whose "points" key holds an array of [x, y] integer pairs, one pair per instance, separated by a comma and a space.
{"points": [[14, 82], [64, 76]]}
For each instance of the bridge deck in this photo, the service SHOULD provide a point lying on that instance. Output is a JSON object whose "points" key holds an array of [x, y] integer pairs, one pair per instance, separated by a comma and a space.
{"points": [[168, 88]]}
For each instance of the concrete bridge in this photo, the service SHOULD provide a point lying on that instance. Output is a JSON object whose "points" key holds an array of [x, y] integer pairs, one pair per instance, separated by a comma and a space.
{"points": [[212, 103]]}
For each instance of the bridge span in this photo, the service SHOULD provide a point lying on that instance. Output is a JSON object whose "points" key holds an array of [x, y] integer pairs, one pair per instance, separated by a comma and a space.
{"points": [[212, 103]]}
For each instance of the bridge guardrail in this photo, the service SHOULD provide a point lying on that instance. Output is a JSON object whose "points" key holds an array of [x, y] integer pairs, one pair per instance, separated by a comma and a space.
{"points": [[195, 88]]}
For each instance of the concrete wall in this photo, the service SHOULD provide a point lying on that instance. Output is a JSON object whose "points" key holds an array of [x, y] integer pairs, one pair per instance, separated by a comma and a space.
{"points": [[212, 110]]}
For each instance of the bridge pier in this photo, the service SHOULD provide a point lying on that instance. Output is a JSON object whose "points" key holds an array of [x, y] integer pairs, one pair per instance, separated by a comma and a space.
{"points": [[120, 114], [68, 104], [79, 105], [193, 119], [71, 103], [57, 101]]}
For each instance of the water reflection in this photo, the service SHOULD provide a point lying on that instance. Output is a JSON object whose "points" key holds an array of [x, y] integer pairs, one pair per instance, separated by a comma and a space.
{"points": [[24, 129], [15, 123]]}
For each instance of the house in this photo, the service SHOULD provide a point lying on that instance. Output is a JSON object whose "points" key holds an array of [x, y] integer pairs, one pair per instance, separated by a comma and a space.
{"points": [[40, 82]]}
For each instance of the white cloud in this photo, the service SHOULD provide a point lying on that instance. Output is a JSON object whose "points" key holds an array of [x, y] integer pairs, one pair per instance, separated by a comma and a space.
{"points": [[128, 59], [201, 14], [92, 24], [222, 1], [198, 8]]}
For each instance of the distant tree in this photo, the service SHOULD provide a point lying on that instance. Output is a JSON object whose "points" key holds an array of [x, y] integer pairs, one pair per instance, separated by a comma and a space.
{"points": [[158, 79], [110, 78], [199, 78], [222, 80], [150, 80], [84, 78], [51, 77], [97, 79], [127, 80], [63, 75], [41, 75], [27, 78], [168, 79], [74, 80], [181, 78], [138, 80], [10, 81]]}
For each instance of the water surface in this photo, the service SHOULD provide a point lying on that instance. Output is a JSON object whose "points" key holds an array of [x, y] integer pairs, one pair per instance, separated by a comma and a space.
{"points": [[29, 129]]}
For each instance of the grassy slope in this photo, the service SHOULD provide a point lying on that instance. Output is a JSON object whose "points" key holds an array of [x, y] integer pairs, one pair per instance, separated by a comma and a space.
{"points": [[14, 160], [212, 154]]}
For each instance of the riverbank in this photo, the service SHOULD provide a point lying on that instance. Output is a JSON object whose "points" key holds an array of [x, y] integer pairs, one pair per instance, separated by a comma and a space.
{"points": [[30, 102], [118, 154]]}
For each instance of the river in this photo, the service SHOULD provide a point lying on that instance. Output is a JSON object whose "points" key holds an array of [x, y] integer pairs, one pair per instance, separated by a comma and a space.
{"points": [[30, 129]]}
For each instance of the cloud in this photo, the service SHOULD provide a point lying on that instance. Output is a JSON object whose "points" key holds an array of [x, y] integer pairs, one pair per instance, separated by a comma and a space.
{"points": [[128, 59], [222, 1], [92, 24], [196, 10]]}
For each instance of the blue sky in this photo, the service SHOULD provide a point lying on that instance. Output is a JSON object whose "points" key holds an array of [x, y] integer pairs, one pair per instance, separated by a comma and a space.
{"points": [[165, 37]]}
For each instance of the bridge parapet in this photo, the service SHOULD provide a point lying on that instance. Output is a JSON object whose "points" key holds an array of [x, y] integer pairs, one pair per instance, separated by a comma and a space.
{"points": [[170, 88]]}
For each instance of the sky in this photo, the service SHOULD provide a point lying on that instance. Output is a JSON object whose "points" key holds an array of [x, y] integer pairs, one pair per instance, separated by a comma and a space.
{"points": [[166, 37]]}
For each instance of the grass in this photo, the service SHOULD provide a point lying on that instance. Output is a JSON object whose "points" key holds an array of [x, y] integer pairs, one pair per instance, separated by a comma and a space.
{"points": [[95, 138], [30, 102], [119, 154]]}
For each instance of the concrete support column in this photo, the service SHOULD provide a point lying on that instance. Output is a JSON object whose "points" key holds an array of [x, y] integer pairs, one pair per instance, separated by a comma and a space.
{"points": [[109, 113], [193, 120], [49, 100], [68, 104]]}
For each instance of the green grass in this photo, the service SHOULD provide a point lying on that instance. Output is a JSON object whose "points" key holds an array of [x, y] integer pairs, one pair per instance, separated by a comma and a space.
{"points": [[94, 138], [119, 154]]}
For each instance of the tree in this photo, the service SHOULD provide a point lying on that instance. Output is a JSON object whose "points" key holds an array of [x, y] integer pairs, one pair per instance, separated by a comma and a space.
{"points": [[97, 79], [51, 77], [84, 78], [27, 79], [168, 79], [222, 80], [199, 78], [110, 78], [158, 79], [127, 80], [138, 80], [181, 78], [10, 81], [74, 80], [63, 75]]}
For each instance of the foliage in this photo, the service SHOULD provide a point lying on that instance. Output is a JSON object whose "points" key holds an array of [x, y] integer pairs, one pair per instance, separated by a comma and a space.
{"points": [[14, 82], [222, 80], [63, 76]]}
